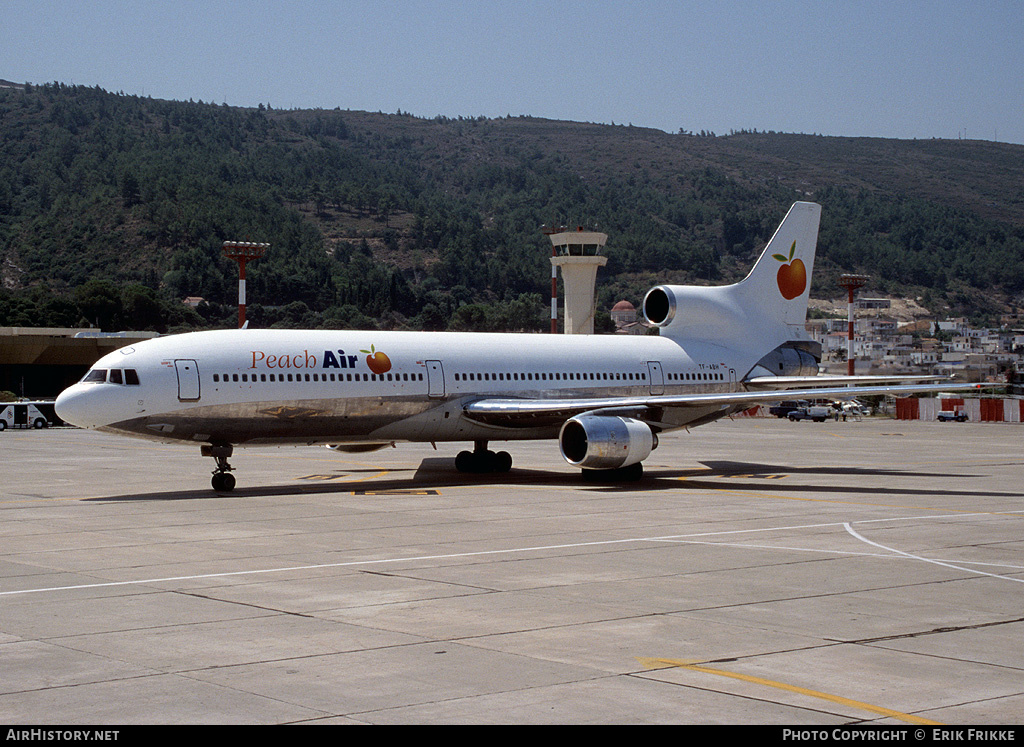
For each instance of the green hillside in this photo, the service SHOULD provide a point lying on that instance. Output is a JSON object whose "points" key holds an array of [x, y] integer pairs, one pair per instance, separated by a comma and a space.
{"points": [[113, 209]]}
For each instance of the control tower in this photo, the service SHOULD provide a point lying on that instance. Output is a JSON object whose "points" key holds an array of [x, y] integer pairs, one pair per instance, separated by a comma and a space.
{"points": [[578, 254]]}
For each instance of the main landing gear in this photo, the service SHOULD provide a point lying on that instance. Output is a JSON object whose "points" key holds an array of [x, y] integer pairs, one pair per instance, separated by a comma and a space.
{"points": [[222, 479], [482, 460]]}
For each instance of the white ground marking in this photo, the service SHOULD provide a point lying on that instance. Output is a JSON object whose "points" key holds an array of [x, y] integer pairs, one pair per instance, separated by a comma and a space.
{"points": [[944, 563], [680, 538]]}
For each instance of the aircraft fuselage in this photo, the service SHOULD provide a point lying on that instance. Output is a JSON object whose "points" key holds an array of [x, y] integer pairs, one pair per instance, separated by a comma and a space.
{"points": [[281, 386]]}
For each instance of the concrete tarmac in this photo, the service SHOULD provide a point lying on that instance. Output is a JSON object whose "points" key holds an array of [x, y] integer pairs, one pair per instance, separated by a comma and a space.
{"points": [[762, 572]]}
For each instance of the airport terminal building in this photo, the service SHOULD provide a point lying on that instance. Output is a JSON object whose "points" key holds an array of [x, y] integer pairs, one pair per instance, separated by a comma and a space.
{"points": [[40, 362]]}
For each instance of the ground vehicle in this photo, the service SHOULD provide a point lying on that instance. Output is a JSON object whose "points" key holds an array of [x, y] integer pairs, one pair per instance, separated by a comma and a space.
{"points": [[944, 415], [35, 414], [787, 406], [817, 414]]}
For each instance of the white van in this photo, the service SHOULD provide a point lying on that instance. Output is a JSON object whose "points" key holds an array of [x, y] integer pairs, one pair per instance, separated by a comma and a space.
{"points": [[27, 415]]}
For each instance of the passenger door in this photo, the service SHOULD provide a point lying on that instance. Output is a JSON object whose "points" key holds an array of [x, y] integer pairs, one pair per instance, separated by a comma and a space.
{"points": [[435, 379], [657, 377], [188, 379]]}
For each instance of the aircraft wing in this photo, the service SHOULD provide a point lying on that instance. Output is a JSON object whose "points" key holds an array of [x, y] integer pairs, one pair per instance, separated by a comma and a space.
{"points": [[794, 382], [523, 413]]}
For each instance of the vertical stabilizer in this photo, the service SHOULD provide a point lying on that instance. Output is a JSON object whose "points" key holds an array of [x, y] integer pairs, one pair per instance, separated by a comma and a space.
{"points": [[765, 309], [780, 282]]}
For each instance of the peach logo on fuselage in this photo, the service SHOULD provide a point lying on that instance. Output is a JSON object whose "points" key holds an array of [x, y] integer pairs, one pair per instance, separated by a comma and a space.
{"points": [[377, 361], [792, 277]]}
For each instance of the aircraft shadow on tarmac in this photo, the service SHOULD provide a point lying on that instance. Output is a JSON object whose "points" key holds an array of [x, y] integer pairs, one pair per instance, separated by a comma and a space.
{"points": [[438, 473], [836, 480]]}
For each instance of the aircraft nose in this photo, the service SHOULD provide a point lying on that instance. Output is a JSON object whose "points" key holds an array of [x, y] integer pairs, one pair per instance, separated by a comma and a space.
{"points": [[79, 406]]}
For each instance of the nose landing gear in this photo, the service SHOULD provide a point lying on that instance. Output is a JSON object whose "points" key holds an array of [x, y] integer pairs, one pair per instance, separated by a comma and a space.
{"points": [[222, 479]]}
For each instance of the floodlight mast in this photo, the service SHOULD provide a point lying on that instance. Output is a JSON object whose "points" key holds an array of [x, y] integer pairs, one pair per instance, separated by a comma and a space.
{"points": [[851, 283], [243, 252]]}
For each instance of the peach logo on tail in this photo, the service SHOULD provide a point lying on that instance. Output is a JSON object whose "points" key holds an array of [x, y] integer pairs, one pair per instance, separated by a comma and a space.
{"points": [[378, 362], [792, 277]]}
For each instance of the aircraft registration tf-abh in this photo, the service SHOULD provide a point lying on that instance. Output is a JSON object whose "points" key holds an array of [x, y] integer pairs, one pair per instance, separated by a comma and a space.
{"points": [[605, 398]]}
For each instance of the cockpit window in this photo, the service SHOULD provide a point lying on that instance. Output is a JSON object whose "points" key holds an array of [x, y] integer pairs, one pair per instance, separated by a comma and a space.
{"points": [[128, 376]]}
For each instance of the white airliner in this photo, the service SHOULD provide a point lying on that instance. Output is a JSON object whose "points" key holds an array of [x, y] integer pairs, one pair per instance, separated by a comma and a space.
{"points": [[605, 398]]}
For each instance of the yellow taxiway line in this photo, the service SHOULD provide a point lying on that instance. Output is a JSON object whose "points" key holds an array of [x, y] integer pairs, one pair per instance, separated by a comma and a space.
{"points": [[696, 667]]}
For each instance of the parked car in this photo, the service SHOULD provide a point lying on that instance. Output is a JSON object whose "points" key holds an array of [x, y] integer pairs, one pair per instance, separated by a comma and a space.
{"points": [[959, 417], [787, 406]]}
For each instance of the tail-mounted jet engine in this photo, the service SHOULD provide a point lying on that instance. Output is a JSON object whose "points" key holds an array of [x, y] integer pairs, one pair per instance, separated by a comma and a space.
{"points": [[699, 312], [606, 442]]}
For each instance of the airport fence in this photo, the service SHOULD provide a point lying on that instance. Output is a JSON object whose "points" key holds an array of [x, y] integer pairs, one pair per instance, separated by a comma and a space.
{"points": [[978, 410]]}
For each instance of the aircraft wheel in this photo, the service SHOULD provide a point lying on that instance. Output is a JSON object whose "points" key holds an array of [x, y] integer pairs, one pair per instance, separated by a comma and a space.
{"points": [[632, 472], [223, 481], [502, 461], [464, 461], [483, 462]]}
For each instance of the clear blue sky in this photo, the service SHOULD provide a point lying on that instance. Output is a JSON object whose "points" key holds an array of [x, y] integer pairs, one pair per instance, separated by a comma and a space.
{"points": [[887, 69]]}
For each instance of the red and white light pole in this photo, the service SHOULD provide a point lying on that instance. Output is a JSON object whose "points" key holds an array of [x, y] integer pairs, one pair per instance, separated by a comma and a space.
{"points": [[851, 283], [548, 231], [243, 252]]}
